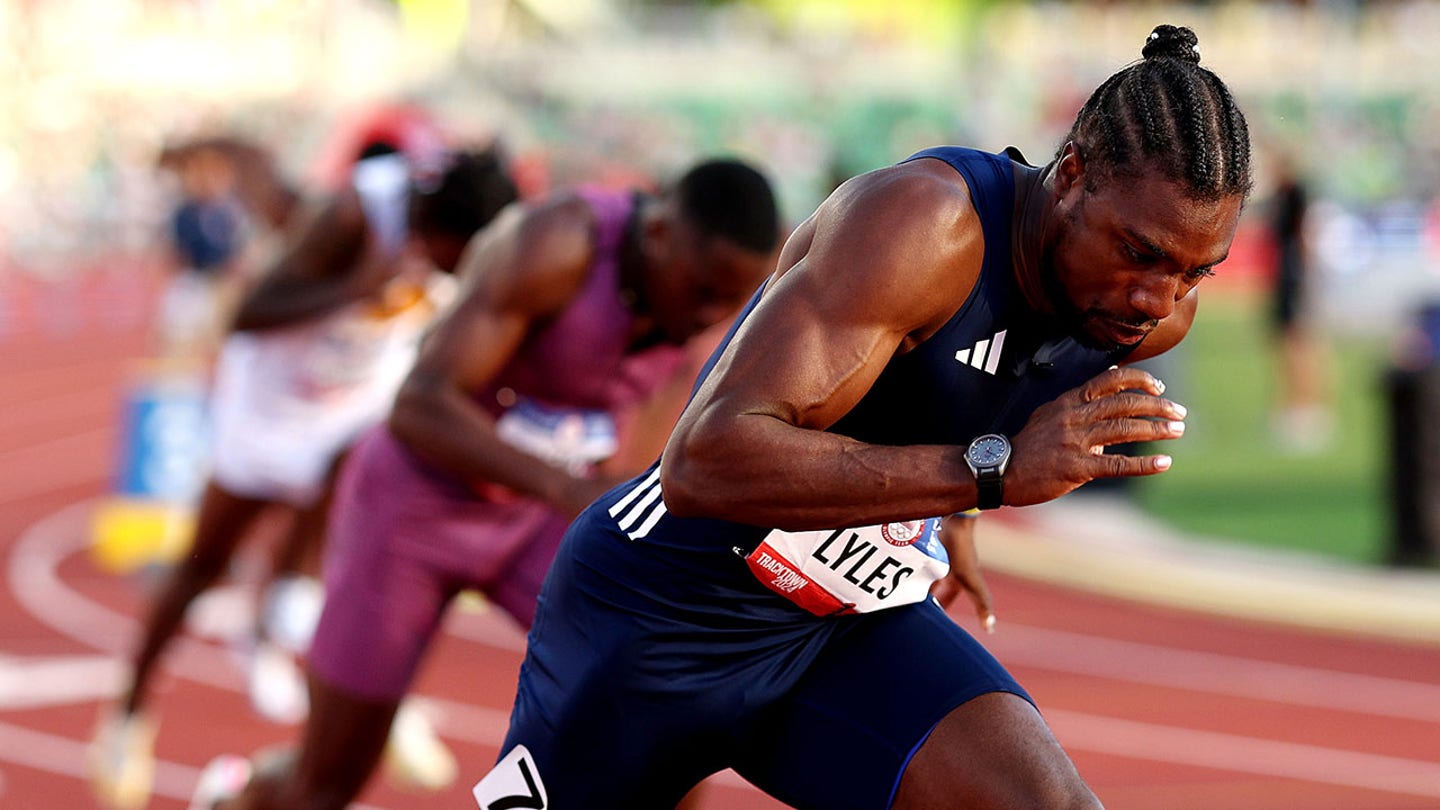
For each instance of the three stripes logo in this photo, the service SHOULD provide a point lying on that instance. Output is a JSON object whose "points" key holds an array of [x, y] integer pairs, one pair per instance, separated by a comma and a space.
{"points": [[985, 354], [641, 508]]}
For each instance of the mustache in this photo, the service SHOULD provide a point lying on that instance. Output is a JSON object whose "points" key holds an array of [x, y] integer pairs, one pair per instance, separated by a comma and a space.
{"points": [[1131, 322], [1140, 323]]}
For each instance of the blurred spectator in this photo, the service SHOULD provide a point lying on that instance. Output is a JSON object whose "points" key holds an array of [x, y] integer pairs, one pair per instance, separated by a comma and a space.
{"points": [[206, 231], [1301, 418]]}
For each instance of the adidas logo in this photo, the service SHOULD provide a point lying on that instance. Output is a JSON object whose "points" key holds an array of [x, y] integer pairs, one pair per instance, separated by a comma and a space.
{"points": [[985, 354]]}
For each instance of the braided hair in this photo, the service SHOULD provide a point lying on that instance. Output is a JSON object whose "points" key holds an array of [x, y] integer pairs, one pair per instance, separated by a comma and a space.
{"points": [[1166, 112]]}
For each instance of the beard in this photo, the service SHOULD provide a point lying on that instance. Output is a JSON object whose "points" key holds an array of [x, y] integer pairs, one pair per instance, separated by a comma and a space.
{"points": [[1084, 325], [1069, 318]]}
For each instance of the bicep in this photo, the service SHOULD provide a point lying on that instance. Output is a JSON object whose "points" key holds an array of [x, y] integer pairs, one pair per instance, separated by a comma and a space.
{"points": [[513, 277], [325, 245], [803, 356], [876, 275], [472, 344]]}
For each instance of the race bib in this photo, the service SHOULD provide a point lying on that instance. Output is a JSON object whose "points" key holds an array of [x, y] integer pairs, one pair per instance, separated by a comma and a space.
{"points": [[861, 570], [572, 438], [513, 784]]}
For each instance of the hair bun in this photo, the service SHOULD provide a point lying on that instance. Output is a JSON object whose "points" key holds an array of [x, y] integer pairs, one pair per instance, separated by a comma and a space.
{"points": [[1172, 42]]}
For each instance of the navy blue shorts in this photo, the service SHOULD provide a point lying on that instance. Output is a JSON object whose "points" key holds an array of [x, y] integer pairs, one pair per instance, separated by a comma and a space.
{"points": [[630, 695]]}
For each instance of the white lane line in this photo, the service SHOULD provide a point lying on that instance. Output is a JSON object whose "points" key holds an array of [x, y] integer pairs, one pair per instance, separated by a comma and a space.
{"points": [[31, 682], [34, 580], [51, 753], [1212, 673], [1229, 752]]}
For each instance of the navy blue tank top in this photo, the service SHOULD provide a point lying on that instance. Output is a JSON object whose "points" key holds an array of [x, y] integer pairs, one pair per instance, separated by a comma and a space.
{"points": [[986, 370], [993, 363]]}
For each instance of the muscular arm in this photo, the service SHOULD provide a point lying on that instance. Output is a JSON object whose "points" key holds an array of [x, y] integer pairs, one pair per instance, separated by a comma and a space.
{"points": [[883, 264], [327, 265], [522, 269]]}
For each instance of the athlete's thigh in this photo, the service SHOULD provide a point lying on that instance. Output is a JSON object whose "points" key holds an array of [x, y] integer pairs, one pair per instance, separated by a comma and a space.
{"points": [[994, 753], [842, 738], [382, 608], [595, 726]]}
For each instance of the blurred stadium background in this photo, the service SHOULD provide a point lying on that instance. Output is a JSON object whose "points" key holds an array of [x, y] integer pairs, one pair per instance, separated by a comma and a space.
{"points": [[817, 90], [91, 91]]}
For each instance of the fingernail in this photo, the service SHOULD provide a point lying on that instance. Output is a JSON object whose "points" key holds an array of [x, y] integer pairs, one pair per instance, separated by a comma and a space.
{"points": [[1160, 384], [1162, 462], [1112, 368], [1177, 427], [990, 623], [1180, 410]]}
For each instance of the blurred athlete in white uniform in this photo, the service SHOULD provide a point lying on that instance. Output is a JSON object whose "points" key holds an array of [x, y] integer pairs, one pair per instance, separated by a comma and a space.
{"points": [[316, 352]]}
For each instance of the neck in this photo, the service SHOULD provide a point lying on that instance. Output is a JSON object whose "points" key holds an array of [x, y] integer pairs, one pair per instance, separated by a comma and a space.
{"points": [[1027, 232], [634, 264]]}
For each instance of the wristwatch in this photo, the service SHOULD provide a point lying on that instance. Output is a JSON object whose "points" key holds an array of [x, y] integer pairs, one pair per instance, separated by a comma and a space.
{"points": [[988, 456]]}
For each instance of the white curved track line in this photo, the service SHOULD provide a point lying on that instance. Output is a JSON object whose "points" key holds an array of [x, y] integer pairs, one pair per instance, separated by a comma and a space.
{"points": [[1214, 673], [34, 580], [52, 753], [1232, 752]]}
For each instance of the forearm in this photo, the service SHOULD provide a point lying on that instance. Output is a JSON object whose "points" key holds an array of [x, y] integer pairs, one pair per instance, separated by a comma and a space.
{"points": [[765, 472], [447, 430], [277, 303]]}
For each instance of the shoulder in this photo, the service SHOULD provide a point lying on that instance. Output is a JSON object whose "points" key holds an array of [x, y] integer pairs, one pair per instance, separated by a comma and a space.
{"points": [[924, 193], [534, 257], [558, 230], [900, 245], [914, 218]]}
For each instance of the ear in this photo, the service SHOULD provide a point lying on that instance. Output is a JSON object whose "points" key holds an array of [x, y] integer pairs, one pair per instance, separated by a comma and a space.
{"points": [[1069, 169], [655, 229]]}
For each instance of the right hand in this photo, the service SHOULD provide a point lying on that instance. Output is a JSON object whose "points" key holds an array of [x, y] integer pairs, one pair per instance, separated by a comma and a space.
{"points": [[1063, 444]]}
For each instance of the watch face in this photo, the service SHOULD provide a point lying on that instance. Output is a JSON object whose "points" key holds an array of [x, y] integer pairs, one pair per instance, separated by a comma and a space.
{"points": [[987, 451]]}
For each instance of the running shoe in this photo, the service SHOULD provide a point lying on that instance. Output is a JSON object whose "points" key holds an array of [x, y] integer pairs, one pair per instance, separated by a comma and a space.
{"points": [[121, 760], [222, 779], [277, 685], [415, 757], [291, 610]]}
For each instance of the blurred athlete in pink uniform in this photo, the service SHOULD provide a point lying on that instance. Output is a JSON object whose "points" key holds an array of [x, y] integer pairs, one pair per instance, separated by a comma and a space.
{"points": [[572, 311]]}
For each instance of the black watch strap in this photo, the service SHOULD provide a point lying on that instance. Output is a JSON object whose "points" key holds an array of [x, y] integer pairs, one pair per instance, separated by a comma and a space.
{"points": [[990, 491]]}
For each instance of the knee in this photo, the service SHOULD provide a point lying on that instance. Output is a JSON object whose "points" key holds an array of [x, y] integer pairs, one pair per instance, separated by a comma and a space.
{"points": [[1065, 792]]}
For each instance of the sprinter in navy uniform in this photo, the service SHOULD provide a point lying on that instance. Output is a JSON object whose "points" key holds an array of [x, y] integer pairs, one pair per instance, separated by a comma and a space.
{"points": [[947, 333]]}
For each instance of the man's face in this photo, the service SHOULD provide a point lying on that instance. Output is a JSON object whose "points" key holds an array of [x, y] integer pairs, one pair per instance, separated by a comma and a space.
{"points": [[700, 281], [1126, 252]]}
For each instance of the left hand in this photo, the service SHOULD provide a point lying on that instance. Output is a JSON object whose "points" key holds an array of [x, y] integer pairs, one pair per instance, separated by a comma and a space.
{"points": [[958, 535]]}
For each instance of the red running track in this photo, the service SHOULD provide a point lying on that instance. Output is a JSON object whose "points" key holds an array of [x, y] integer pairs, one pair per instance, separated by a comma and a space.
{"points": [[1159, 708]]}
